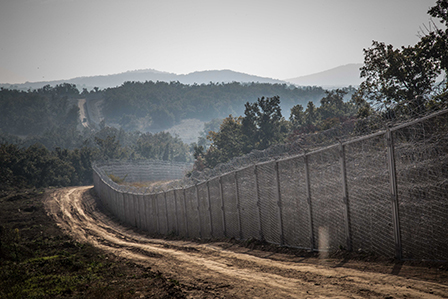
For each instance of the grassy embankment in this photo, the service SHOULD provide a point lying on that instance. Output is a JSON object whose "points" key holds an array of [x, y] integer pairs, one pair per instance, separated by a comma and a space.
{"points": [[37, 260]]}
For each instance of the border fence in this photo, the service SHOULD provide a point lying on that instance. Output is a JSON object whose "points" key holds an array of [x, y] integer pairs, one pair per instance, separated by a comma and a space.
{"points": [[385, 193]]}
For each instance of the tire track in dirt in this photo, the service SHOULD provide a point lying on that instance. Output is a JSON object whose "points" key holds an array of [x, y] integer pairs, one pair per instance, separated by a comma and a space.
{"points": [[210, 270]]}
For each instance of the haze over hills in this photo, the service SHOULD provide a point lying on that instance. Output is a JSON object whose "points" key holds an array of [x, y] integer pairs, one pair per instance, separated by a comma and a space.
{"points": [[341, 76], [105, 81]]}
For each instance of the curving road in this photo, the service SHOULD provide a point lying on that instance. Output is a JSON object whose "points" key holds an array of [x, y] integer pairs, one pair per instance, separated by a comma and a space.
{"points": [[225, 270]]}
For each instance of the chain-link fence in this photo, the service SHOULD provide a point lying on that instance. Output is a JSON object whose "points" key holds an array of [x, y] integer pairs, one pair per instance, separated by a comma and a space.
{"points": [[384, 193]]}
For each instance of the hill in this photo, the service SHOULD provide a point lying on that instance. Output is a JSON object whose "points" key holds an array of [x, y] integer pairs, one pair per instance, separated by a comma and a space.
{"points": [[341, 76], [107, 81]]}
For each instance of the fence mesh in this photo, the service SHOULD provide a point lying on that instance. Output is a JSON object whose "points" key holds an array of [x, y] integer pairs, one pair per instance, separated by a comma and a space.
{"points": [[216, 208], [180, 212], [327, 199], [269, 203], [296, 212], [339, 196], [171, 212], [204, 211], [194, 229], [231, 206], [421, 155], [368, 184], [248, 199], [162, 213]]}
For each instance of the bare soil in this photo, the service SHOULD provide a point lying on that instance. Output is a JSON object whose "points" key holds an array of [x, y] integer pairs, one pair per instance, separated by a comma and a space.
{"points": [[231, 269]]}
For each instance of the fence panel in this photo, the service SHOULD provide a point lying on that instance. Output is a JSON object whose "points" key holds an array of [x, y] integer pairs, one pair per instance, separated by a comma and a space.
{"points": [[229, 192], [127, 211], [121, 210], [269, 202], [147, 211], [296, 215], [161, 213], [421, 155], [369, 196], [153, 220], [141, 211], [171, 211], [194, 229], [204, 211], [216, 208], [249, 211], [327, 199], [180, 211]]}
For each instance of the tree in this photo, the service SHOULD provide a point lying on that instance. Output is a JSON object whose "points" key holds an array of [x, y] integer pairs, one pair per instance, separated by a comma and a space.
{"points": [[297, 117], [310, 114], [400, 80], [396, 76], [226, 143], [332, 105], [262, 125], [109, 148]]}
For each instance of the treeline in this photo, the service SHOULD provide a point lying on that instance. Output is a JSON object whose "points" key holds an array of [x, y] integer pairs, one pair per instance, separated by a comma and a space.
{"points": [[161, 104], [263, 125], [35, 111], [36, 165]]}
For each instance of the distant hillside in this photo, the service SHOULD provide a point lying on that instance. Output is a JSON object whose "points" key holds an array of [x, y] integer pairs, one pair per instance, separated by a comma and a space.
{"points": [[342, 76], [106, 81]]}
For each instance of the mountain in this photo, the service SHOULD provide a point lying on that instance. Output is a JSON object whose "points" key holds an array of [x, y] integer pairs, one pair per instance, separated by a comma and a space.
{"points": [[105, 81], [341, 76]]}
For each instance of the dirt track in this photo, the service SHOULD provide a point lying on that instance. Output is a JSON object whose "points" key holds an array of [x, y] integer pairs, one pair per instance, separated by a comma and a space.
{"points": [[226, 270]]}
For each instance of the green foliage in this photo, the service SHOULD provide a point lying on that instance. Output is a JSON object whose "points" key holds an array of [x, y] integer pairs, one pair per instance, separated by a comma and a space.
{"points": [[396, 76], [401, 81], [261, 126], [33, 112], [36, 166], [228, 142], [161, 146], [160, 105]]}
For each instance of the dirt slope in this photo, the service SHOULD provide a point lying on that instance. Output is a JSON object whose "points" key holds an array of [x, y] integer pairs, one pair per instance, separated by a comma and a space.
{"points": [[226, 270]]}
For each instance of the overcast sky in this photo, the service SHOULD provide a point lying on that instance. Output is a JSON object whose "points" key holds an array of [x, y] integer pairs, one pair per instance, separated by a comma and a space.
{"points": [[62, 39]]}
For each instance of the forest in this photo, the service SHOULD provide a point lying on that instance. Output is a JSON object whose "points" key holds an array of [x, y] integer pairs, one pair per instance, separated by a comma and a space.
{"points": [[42, 142]]}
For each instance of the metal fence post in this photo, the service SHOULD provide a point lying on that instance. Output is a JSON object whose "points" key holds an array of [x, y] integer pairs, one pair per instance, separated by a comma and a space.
{"points": [[125, 208], [394, 194], [238, 205], [185, 212], [260, 227], [279, 203], [346, 210], [176, 212], [308, 197], [222, 207], [145, 207], [199, 214], [156, 201], [210, 209], [166, 213]]}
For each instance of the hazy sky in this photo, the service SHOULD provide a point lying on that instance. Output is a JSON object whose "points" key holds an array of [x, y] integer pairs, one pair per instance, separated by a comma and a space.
{"points": [[62, 39]]}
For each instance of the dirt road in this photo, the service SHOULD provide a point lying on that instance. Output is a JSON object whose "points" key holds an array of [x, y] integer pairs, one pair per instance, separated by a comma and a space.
{"points": [[227, 270]]}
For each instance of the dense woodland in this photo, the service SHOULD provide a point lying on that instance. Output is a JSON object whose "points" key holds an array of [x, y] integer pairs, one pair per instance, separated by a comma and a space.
{"points": [[41, 143], [165, 104]]}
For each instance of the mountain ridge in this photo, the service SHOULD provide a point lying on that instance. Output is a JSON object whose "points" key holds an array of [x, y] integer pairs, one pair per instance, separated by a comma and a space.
{"points": [[114, 80], [341, 76]]}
